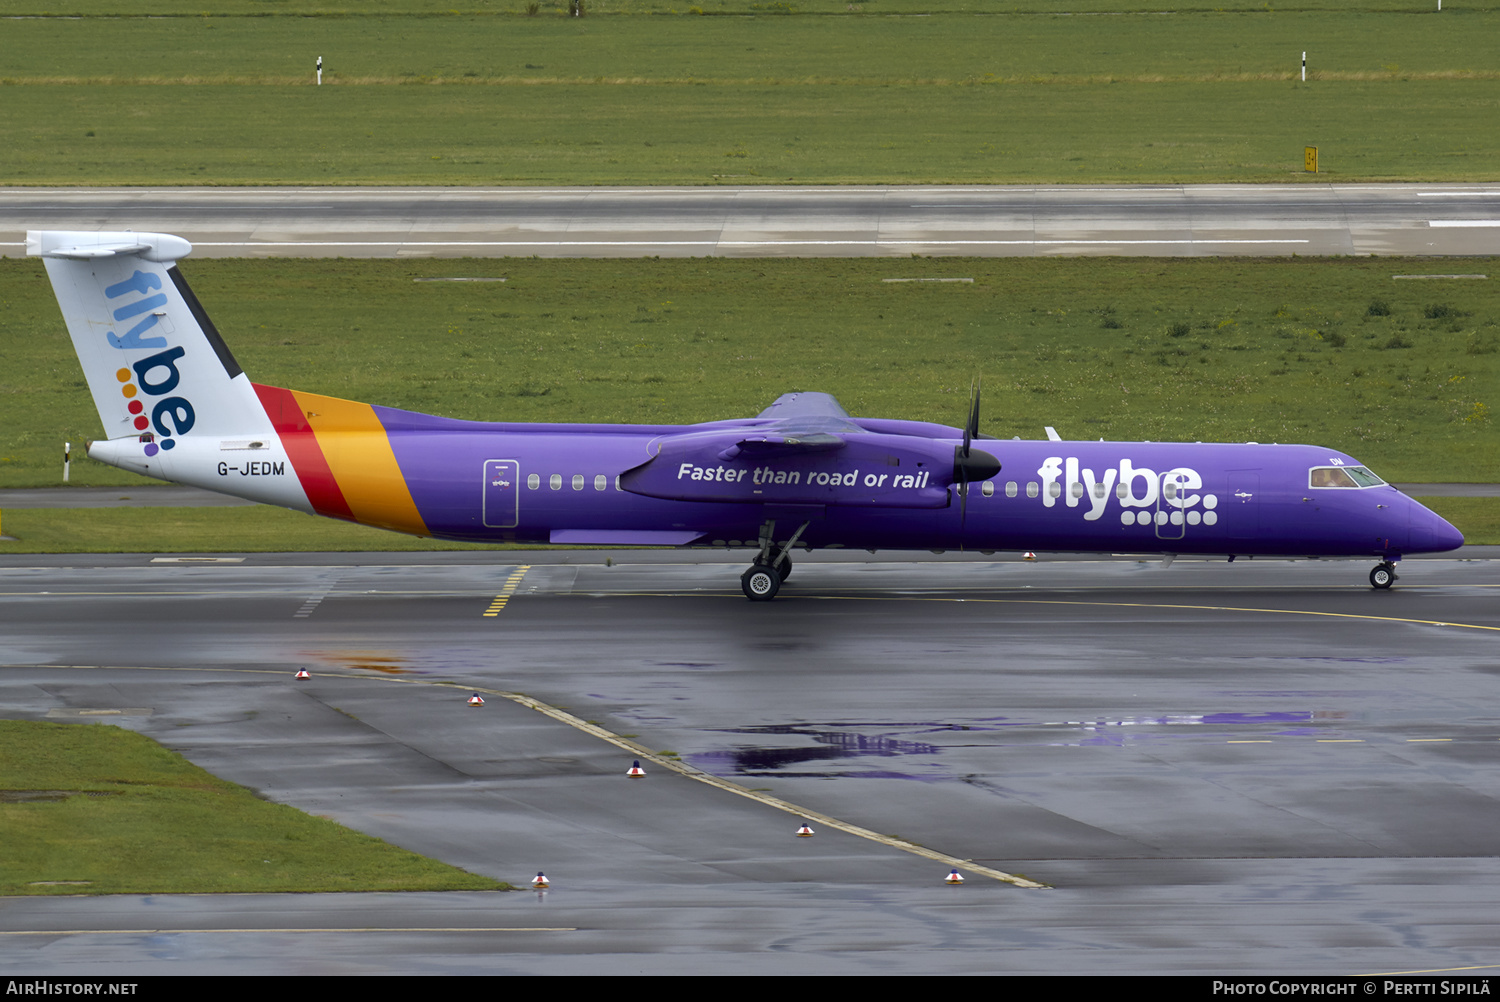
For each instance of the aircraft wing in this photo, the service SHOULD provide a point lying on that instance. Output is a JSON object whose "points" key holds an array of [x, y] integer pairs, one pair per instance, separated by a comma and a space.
{"points": [[804, 405], [800, 414], [774, 465]]}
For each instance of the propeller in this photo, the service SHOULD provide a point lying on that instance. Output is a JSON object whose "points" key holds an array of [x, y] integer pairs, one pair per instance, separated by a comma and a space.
{"points": [[971, 464]]}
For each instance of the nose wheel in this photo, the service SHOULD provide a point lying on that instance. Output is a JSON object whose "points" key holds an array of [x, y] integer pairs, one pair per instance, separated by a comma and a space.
{"points": [[1383, 575]]}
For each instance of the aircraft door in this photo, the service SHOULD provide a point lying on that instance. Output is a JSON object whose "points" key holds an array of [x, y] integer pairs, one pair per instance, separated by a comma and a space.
{"points": [[1241, 512], [1169, 522], [502, 493]]}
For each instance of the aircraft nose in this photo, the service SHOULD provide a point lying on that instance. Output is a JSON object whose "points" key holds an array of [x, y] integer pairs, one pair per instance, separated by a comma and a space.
{"points": [[1431, 533]]}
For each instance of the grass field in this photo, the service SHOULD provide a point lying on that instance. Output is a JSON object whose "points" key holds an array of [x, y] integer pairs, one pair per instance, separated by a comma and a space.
{"points": [[1401, 374], [609, 9], [973, 93], [88, 809], [1477, 518]]}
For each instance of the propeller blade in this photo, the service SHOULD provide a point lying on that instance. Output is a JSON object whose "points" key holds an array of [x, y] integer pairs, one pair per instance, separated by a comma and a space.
{"points": [[969, 423], [971, 464], [971, 430]]}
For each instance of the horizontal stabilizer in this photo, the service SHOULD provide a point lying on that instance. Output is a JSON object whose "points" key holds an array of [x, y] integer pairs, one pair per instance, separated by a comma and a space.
{"points": [[76, 245]]}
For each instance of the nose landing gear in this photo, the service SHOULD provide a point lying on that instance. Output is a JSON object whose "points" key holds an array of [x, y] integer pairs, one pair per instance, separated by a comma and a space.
{"points": [[1383, 575]]}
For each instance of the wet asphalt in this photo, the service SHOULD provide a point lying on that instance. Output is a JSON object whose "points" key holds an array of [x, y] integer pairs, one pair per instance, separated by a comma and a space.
{"points": [[1263, 767]]}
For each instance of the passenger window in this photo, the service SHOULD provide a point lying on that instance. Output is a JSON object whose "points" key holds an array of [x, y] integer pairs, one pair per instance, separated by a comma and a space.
{"points": [[1120, 491], [1075, 489], [1099, 491], [578, 481], [1010, 489], [555, 481], [1031, 490], [599, 482], [533, 482], [988, 489], [1054, 489]]}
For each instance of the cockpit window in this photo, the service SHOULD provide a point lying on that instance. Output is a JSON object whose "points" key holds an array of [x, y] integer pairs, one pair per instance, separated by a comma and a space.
{"points": [[1342, 476]]}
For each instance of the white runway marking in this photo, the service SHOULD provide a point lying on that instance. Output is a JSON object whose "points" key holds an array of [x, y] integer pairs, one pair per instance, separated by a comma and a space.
{"points": [[274, 929], [742, 243], [1440, 276]]}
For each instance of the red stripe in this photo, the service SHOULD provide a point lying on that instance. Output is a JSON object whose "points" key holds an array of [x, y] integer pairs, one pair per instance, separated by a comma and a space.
{"points": [[303, 450]]}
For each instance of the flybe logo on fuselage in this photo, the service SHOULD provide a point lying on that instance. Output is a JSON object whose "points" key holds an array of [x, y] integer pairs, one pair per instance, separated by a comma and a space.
{"points": [[154, 376], [1144, 495]]}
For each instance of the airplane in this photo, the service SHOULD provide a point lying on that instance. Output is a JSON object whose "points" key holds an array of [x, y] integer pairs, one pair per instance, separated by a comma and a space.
{"points": [[802, 474]]}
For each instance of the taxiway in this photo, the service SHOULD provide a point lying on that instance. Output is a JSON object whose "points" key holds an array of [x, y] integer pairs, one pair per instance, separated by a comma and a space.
{"points": [[1247, 768]]}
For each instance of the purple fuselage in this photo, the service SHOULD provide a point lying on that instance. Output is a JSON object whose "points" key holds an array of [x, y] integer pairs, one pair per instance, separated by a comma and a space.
{"points": [[614, 484]]}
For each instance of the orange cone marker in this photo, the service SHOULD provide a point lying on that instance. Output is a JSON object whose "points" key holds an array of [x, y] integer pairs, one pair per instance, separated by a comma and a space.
{"points": [[302, 673], [954, 878], [476, 700], [635, 771], [804, 831], [539, 881]]}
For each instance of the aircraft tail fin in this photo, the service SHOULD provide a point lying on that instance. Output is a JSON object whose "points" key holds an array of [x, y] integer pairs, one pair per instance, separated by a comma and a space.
{"points": [[155, 364]]}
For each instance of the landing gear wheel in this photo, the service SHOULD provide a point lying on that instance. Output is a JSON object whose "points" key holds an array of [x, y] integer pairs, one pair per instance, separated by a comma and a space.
{"points": [[1383, 576], [760, 583], [784, 569]]}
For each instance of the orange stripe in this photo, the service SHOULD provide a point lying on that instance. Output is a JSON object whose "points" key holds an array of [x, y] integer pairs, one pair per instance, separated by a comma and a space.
{"points": [[358, 452]]}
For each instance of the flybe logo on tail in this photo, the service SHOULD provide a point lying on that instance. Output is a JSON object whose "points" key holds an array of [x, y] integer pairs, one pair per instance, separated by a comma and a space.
{"points": [[149, 382], [143, 283], [157, 375]]}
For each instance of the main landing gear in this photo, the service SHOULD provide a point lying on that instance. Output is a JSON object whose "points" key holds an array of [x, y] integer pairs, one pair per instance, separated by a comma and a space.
{"points": [[1383, 575], [760, 583], [763, 580]]}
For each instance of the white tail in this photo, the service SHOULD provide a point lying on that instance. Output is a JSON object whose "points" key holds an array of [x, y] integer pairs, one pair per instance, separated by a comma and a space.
{"points": [[169, 393], [156, 366]]}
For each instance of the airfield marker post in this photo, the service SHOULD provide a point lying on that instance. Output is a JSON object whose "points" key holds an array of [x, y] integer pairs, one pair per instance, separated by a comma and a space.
{"points": [[67, 458], [1304, 67], [320, 71]]}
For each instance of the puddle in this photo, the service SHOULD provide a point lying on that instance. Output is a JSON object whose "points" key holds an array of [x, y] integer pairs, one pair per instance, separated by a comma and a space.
{"points": [[830, 745]]}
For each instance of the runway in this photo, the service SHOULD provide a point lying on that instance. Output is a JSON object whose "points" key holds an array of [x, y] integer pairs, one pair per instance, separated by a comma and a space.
{"points": [[1263, 767], [1313, 218]]}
